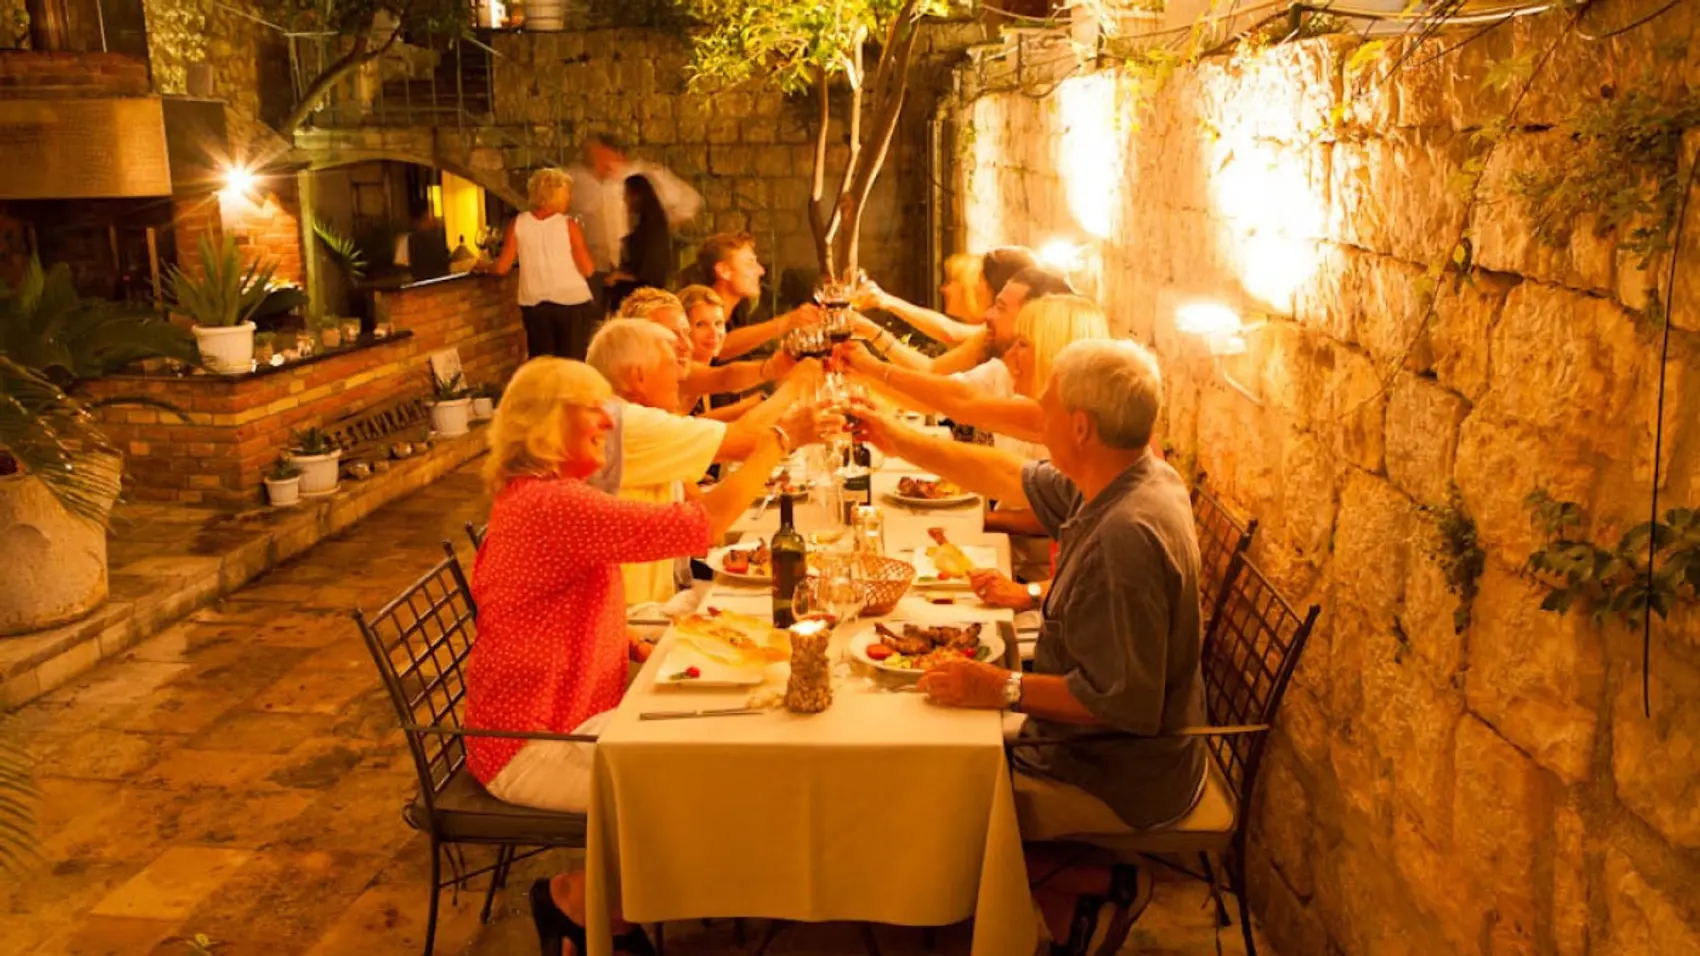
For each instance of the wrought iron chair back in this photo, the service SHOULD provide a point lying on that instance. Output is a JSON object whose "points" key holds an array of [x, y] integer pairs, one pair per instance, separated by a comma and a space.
{"points": [[477, 534], [1254, 643], [1221, 536], [420, 641]]}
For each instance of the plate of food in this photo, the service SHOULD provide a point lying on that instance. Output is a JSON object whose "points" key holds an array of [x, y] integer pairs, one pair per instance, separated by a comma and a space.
{"points": [[722, 648], [930, 491], [909, 649], [746, 563], [944, 564]]}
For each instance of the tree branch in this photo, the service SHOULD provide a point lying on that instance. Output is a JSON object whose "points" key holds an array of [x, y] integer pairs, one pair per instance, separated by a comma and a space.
{"points": [[890, 110], [823, 245], [357, 56]]}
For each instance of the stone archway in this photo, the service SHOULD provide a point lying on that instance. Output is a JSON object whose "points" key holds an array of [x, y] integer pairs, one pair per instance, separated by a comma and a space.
{"points": [[441, 148]]}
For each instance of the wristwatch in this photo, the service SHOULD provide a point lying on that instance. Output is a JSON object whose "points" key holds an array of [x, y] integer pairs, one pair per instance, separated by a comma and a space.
{"points": [[1036, 594], [1012, 691]]}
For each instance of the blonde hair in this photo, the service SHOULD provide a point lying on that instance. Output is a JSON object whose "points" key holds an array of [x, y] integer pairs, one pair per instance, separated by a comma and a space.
{"points": [[544, 183], [643, 303], [692, 296], [623, 346], [1117, 383], [964, 270], [526, 437], [1053, 323]]}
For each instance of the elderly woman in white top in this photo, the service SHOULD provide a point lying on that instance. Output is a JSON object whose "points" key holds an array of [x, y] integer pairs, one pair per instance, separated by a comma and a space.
{"points": [[554, 297]]}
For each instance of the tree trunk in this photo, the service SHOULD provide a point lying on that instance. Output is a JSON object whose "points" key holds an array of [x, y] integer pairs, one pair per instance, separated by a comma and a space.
{"points": [[357, 56]]}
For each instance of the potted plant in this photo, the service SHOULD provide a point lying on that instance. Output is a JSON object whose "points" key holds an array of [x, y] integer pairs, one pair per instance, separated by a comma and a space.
{"points": [[283, 483], [312, 451], [450, 406], [222, 303], [329, 328], [350, 331], [483, 403], [59, 474]]}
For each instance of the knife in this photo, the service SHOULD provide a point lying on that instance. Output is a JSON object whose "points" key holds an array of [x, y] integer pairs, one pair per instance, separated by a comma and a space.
{"points": [[683, 714]]}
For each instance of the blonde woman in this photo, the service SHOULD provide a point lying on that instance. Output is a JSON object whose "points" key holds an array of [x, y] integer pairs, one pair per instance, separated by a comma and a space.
{"points": [[554, 296], [966, 292], [552, 646], [699, 377]]}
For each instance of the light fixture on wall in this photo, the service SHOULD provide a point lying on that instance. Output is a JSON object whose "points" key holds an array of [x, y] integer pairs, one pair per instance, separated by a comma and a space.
{"points": [[1223, 333], [1061, 256]]}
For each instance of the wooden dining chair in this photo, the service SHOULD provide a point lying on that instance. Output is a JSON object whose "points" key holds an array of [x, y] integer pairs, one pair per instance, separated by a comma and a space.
{"points": [[420, 642], [1255, 639]]}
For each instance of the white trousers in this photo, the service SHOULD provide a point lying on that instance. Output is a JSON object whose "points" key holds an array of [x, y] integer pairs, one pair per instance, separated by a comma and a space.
{"points": [[551, 774]]}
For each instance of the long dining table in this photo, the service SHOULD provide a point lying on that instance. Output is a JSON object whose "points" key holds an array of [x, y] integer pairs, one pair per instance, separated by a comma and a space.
{"points": [[885, 808]]}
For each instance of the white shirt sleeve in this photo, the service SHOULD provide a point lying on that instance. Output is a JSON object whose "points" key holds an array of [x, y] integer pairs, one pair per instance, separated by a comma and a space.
{"points": [[991, 377], [401, 257], [681, 202], [659, 447]]}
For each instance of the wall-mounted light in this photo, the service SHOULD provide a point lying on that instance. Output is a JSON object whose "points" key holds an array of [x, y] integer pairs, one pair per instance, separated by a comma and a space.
{"points": [[239, 182], [1223, 333], [1062, 256]]}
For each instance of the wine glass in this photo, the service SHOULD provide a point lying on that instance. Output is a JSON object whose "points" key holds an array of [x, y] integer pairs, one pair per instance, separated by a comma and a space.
{"points": [[820, 517]]}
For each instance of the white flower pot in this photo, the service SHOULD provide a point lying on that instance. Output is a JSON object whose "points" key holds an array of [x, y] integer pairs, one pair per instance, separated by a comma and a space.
{"points": [[449, 419], [483, 409], [228, 349], [55, 565], [318, 472], [283, 492]]}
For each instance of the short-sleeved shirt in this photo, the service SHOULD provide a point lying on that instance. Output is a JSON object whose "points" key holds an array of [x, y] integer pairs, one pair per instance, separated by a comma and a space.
{"points": [[1121, 625], [660, 451], [992, 377]]}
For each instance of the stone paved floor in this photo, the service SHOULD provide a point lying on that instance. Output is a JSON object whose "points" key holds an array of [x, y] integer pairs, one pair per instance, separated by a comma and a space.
{"points": [[239, 776]]}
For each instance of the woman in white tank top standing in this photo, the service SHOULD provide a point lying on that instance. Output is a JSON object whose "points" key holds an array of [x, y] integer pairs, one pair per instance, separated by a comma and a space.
{"points": [[554, 298]]}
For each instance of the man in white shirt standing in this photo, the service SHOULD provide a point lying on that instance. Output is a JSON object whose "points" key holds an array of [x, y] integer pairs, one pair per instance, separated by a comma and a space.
{"points": [[599, 201]]}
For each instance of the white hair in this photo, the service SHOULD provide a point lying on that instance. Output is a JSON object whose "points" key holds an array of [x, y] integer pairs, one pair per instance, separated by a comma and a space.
{"points": [[545, 182], [622, 347], [1114, 381]]}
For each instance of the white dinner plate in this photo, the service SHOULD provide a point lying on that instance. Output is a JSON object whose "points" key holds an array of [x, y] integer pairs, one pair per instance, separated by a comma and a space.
{"points": [[967, 497], [990, 643], [681, 657], [927, 575], [717, 561]]}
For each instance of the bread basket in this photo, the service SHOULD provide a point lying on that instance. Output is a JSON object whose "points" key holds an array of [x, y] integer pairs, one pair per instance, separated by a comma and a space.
{"points": [[887, 580]]}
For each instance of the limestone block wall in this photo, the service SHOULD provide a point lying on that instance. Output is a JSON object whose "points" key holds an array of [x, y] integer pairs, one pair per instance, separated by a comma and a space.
{"points": [[1431, 789], [749, 153]]}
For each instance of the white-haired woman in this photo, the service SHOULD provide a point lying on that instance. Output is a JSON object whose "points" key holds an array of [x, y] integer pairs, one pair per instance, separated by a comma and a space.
{"points": [[554, 297], [552, 645]]}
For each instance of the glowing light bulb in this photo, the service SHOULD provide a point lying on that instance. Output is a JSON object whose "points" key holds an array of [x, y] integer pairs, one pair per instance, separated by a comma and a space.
{"points": [[1207, 318], [1060, 255]]}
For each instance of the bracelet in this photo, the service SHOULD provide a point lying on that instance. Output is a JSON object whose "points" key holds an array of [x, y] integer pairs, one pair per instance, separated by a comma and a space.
{"points": [[784, 439]]}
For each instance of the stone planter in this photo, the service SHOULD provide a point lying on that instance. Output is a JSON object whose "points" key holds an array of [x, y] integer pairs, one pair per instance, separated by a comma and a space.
{"points": [[483, 409], [284, 492], [55, 566], [227, 349], [449, 419], [318, 472]]}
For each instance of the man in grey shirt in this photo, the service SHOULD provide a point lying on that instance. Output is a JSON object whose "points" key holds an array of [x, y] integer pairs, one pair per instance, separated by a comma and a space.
{"points": [[1120, 643]]}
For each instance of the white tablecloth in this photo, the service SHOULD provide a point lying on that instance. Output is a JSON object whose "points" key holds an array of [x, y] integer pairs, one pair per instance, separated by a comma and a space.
{"points": [[884, 808]]}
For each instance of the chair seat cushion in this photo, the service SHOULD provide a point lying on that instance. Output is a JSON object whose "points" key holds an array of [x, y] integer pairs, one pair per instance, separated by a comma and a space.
{"points": [[467, 813], [1207, 828]]}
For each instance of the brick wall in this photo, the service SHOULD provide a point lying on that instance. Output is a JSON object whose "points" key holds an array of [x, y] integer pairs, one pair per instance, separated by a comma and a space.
{"points": [[268, 229], [236, 427], [26, 74]]}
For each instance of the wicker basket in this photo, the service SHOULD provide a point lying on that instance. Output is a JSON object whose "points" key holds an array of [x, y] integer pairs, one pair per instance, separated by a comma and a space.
{"points": [[887, 579]]}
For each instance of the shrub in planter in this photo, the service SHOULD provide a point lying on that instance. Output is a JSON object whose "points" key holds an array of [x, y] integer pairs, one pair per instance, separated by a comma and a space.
{"points": [[59, 475], [483, 403], [283, 483], [312, 451], [222, 303], [450, 407]]}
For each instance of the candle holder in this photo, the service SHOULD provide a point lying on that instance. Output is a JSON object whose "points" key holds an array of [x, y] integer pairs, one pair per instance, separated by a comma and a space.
{"points": [[809, 690]]}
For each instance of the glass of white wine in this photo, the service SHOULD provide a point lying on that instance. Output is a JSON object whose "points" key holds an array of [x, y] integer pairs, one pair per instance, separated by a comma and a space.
{"points": [[821, 517]]}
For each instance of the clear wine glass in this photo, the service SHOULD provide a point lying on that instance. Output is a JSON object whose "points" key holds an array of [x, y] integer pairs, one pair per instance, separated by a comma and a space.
{"points": [[820, 518]]}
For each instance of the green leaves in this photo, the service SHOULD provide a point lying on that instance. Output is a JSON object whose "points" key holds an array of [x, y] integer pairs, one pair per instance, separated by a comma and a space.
{"points": [[1364, 57], [342, 249], [1460, 554], [225, 294], [1505, 75], [1615, 582], [45, 325]]}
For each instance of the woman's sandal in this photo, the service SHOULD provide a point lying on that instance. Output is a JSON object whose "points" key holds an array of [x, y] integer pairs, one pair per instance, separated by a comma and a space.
{"points": [[1091, 934], [554, 926]]}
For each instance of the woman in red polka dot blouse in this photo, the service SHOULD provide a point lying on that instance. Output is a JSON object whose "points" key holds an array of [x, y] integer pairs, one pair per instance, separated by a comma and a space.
{"points": [[552, 646]]}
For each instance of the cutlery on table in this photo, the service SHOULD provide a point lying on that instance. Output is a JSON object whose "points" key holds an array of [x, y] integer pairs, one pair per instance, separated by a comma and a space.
{"points": [[685, 714]]}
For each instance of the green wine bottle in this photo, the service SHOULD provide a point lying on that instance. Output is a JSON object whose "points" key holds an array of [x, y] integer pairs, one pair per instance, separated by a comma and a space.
{"points": [[790, 564]]}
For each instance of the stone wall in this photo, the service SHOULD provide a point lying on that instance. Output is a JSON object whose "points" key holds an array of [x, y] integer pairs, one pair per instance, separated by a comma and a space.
{"points": [[27, 74], [1489, 790], [236, 426], [748, 152]]}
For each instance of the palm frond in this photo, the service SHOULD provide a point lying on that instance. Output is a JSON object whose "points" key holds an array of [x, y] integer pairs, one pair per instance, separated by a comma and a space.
{"points": [[55, 439], [225, 294], [18, 795], [342, 249], [47, 326]]}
